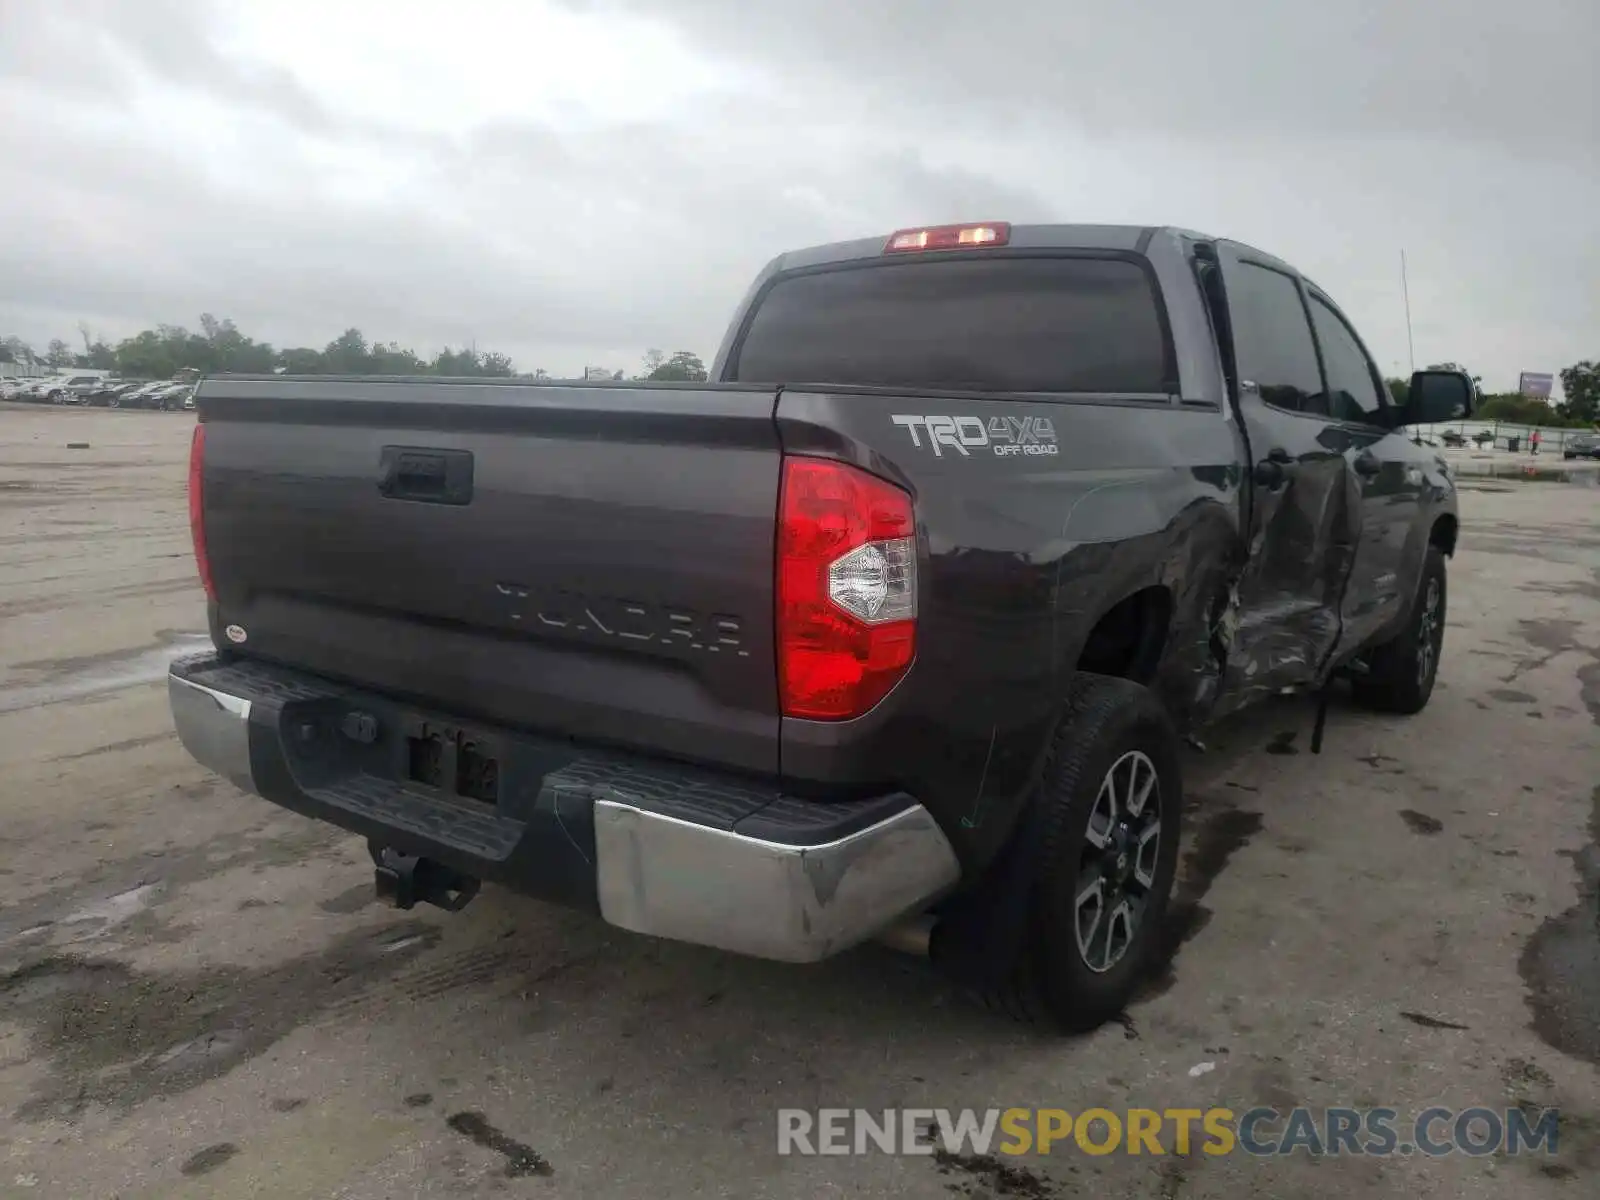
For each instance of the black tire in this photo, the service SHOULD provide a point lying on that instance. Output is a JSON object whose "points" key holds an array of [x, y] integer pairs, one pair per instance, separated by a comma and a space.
{"points": [[114, 402], [1402, 671], [1106, 723]]}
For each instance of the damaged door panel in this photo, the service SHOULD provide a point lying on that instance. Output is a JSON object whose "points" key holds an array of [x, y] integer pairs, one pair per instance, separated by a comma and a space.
{"points": [[1384, 477], [1302, 527]]}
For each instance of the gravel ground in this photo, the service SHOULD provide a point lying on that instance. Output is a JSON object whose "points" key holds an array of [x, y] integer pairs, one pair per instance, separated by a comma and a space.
{"points": [[199, 998]]}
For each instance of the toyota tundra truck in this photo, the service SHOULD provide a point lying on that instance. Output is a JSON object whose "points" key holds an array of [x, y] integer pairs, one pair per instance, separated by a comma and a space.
{"points": [[896, 623]]}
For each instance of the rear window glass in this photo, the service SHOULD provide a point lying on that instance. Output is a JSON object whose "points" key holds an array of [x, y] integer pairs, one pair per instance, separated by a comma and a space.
{"points": [[1001, 324]]}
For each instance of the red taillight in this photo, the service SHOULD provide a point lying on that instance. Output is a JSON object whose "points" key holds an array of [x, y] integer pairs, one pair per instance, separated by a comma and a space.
{"points": [[197, 512], [847, 589], [949, 237]]}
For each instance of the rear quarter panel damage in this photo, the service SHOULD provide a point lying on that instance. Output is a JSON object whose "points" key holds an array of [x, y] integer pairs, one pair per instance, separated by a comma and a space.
{"points": [[1021, 553]]}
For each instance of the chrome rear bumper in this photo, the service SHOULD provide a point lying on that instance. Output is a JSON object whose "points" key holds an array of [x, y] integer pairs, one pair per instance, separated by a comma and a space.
{"points": [[653, 873], [670, 878]]}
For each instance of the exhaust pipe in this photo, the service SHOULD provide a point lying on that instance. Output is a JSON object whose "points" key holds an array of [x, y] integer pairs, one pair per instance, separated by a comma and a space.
{"points": [[910, 936]]}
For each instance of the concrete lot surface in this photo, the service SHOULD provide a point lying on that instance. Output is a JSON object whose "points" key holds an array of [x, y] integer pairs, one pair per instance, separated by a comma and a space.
{"points": [[198, 996], [1499, 462]]}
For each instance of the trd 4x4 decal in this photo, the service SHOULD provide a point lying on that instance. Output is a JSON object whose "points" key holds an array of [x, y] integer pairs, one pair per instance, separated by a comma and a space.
{"points": [[1005, 436]]}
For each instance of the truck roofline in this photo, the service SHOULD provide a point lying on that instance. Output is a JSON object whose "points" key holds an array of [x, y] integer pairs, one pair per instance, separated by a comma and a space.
{"points": [[1126, 238], [1116, 239], [1027, 237]]}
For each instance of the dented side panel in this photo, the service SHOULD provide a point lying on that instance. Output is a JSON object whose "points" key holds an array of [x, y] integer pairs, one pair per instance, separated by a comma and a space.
{"points": [[1302, 545], [1423, 495], [1036, 517], [1305, 517]]}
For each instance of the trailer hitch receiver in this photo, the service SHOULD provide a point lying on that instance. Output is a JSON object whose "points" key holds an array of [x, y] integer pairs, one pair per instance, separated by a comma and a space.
{"points": [[404, 880]]}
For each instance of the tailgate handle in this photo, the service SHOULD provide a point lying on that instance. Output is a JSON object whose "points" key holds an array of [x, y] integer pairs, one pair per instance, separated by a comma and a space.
{"points": [[428, 476]]}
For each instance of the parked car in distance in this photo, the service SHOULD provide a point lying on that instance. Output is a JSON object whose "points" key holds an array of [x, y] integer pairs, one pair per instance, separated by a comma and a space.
{"points": [[76, 389], [146, 395], [35, 391], [113, 394], [1585, 445], [1454, 440], [171, 396]]}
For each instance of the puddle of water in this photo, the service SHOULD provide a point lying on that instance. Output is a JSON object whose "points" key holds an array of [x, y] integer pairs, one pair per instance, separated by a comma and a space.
{"points": [[111, 1034], [1222, 832], [106, 675], [1561, 963], [986, 1175], [1420, 822], [127, 892], [105, 915], [203, 1162], [521, 1160]]}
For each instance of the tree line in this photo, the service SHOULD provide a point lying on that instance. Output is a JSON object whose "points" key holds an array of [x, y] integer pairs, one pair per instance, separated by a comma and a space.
{"points": [[219, 346]]}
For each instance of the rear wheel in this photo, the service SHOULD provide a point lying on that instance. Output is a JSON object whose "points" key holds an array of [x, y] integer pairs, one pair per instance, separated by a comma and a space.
{"points": [[1403, 670], [1112, 799]]}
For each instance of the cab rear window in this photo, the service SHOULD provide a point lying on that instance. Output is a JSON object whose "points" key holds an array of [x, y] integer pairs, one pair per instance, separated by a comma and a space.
{"points": [[1007, 324]]}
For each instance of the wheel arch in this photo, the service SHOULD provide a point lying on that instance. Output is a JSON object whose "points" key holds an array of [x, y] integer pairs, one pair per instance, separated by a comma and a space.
{"points": [[1130, 636], [1442, 533], [1162, 620]]}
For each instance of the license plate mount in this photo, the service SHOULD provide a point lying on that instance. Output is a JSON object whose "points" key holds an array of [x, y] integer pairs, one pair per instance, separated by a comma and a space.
{"points": [[453, 760]]}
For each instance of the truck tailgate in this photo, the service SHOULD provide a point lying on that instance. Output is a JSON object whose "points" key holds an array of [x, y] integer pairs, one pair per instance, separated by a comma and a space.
{"points": [[588, 561]]}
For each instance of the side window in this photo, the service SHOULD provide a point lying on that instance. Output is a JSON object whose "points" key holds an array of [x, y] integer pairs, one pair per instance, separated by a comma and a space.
{"points": [[1352, 391], [1272, 343]]}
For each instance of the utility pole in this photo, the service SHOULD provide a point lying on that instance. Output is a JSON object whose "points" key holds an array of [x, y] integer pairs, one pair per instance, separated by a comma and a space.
{"points": [[1405, 290]]}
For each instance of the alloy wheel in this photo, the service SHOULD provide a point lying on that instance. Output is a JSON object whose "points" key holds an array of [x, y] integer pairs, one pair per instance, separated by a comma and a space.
{"points": [[1116, 873], [1430, 630]]}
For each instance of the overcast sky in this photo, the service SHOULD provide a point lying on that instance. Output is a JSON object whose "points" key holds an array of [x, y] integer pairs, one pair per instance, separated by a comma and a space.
{"points": [[572, 181]]}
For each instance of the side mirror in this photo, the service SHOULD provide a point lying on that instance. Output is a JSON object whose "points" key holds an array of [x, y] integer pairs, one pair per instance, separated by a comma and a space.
{"points": [[1438, 396]]}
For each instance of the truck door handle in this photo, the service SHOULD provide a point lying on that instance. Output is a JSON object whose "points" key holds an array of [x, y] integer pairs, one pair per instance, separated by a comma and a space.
{"points": [[1367, 464], [1273, 470], [428, 476]]}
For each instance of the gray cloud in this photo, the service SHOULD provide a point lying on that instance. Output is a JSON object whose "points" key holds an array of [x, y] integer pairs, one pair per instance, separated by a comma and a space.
{"points": [[1518, 75], [559, 248], [1332, 139], [106, 48]]}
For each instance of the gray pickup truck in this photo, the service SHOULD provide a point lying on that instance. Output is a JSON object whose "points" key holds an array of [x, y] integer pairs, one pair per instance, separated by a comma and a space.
{"points": [[899, 619]]}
